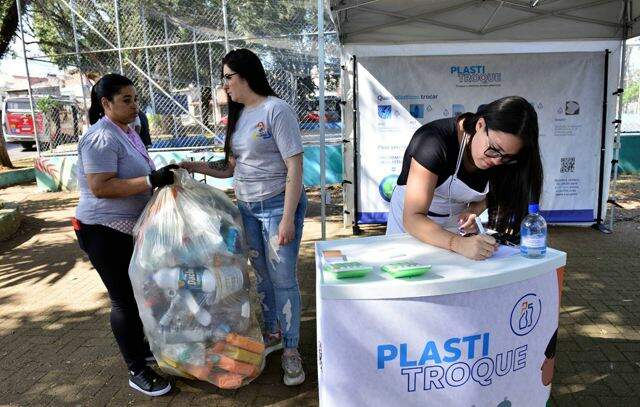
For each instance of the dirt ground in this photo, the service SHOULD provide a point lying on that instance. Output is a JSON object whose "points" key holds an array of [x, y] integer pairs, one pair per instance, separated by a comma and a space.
{"points": [[18, 164], [628, 196]]}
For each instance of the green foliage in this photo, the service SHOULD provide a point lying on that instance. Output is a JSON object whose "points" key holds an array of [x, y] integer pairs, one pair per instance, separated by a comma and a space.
{"points": [[8, 23], [155, 121], [631, 93], [257, 18], [263, 26], [48, 105]]}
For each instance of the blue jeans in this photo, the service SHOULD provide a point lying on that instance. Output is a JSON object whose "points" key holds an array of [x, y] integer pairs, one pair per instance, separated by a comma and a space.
{"points": [[275, 266]]}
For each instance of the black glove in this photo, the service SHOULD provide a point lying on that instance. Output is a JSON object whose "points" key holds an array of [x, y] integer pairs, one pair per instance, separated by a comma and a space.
{"points": [[163, 176]]}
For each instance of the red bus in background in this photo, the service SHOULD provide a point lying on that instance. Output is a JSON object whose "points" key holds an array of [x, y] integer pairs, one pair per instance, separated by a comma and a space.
{"points": [[17, 123]]}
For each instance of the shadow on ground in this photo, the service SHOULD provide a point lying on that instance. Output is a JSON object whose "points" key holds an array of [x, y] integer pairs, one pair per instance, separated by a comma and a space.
{"points": [[42, 248], [59, 355]]}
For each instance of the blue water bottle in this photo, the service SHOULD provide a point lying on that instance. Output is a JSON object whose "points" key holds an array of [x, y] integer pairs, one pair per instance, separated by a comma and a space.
{"points": [[533, 234]]}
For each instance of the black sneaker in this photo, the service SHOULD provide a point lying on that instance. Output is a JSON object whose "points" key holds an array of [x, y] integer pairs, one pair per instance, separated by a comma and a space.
{"points": [[147, 381]]}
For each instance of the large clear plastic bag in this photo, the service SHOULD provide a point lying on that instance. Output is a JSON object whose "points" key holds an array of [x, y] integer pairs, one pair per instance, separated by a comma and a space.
{"points": [[189, 273]]}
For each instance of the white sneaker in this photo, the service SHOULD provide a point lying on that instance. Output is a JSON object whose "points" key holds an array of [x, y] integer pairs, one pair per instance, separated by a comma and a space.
{"points": [[292, 366]]}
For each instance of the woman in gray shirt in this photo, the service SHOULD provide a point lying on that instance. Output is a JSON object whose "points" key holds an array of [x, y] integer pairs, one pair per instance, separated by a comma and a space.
{"points": [[263, 153], [116, 177]]}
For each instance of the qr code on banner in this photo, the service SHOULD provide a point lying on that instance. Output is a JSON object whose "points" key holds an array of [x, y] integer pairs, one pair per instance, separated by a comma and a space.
{"points": [[567, 164]]}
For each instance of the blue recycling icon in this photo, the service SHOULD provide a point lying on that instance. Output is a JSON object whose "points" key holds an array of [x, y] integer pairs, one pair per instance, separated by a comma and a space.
{"points": [[384, 111]]}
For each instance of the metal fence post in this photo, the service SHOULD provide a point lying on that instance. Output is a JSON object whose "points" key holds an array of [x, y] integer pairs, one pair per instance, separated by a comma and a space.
{"points": [[321, 118], [214, 105], [617, 142], [26, 67], [197, 63], [224, 19], [78, 62], [115, 4], [174, 129], [145, 39]]}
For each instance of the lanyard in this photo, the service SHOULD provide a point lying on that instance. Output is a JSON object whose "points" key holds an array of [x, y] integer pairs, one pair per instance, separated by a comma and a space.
{"points": [[134, 139]]}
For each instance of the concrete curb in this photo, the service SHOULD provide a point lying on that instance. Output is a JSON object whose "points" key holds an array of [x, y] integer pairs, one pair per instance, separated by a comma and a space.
{"points": [[10, 218], [19, 176]]}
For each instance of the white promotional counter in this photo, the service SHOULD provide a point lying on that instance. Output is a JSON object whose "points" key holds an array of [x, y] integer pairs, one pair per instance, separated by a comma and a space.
{"points": [[466, 333]]}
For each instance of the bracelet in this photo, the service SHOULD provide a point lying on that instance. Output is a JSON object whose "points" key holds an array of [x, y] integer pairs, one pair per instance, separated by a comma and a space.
{"points": [[450, 245], [148, 179]]}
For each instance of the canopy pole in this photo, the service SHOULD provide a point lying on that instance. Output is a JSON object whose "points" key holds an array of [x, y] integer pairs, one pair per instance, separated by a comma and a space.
{"points": [[599, 223], [618, 122], [356, 152], [321, 119]]}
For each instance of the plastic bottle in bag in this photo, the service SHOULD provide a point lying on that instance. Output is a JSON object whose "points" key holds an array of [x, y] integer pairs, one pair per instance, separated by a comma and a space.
{"points": [[154, 299], [191, 353], [229, 280], [222, 281], [200, 246], [171, 312], [153, 241], [232, 238], [201, 314], [179, 335], [236, 312], [192, 279]]}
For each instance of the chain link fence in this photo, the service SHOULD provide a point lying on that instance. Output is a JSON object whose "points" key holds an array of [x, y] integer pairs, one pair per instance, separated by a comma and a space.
{"points": [[631, 96], [171, 50]]}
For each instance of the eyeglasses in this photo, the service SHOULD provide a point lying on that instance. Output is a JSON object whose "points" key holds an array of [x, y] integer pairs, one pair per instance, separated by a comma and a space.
{"points": [[492, 152], [227, 77]]}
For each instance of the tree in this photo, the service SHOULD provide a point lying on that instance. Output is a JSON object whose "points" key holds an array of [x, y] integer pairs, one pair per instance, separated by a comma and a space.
{"points": [[631, 93], [9, 21], [268, 22], [5, 160], [257, 24]]}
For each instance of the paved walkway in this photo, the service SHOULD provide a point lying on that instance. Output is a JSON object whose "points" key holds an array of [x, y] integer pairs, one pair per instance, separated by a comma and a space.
{"points": [[17, 152], [56, 347]]}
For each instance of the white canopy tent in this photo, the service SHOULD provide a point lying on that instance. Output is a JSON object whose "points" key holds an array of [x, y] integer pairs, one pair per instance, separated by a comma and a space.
{"points": [[382, 28], [419, 21]]}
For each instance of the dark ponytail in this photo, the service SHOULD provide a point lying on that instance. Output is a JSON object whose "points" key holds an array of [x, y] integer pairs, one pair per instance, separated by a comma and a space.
{"points": [[108, 86], [248, 66], [513, 186]]}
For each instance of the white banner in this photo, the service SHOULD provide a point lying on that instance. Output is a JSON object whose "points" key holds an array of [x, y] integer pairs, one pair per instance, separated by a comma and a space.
{"points": [[396, 95], [482, 348]]}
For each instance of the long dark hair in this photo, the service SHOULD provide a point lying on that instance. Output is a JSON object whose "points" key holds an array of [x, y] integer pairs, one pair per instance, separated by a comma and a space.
{"points": [[107, 87], [513, 186], [248, 66]]}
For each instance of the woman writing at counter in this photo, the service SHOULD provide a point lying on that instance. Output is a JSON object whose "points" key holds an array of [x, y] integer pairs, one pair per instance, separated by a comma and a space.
{"points": [[455, 168]]}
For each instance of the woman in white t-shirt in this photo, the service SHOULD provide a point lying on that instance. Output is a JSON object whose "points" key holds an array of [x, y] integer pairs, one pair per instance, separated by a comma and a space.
{"points": [[263, 152]]}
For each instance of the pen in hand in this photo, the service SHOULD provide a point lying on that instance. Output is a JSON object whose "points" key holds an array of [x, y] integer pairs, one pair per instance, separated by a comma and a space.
{"points": [[481, 230]]}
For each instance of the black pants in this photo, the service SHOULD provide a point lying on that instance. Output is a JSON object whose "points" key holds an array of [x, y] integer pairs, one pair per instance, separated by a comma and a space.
{"points": [[110, 252]]}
